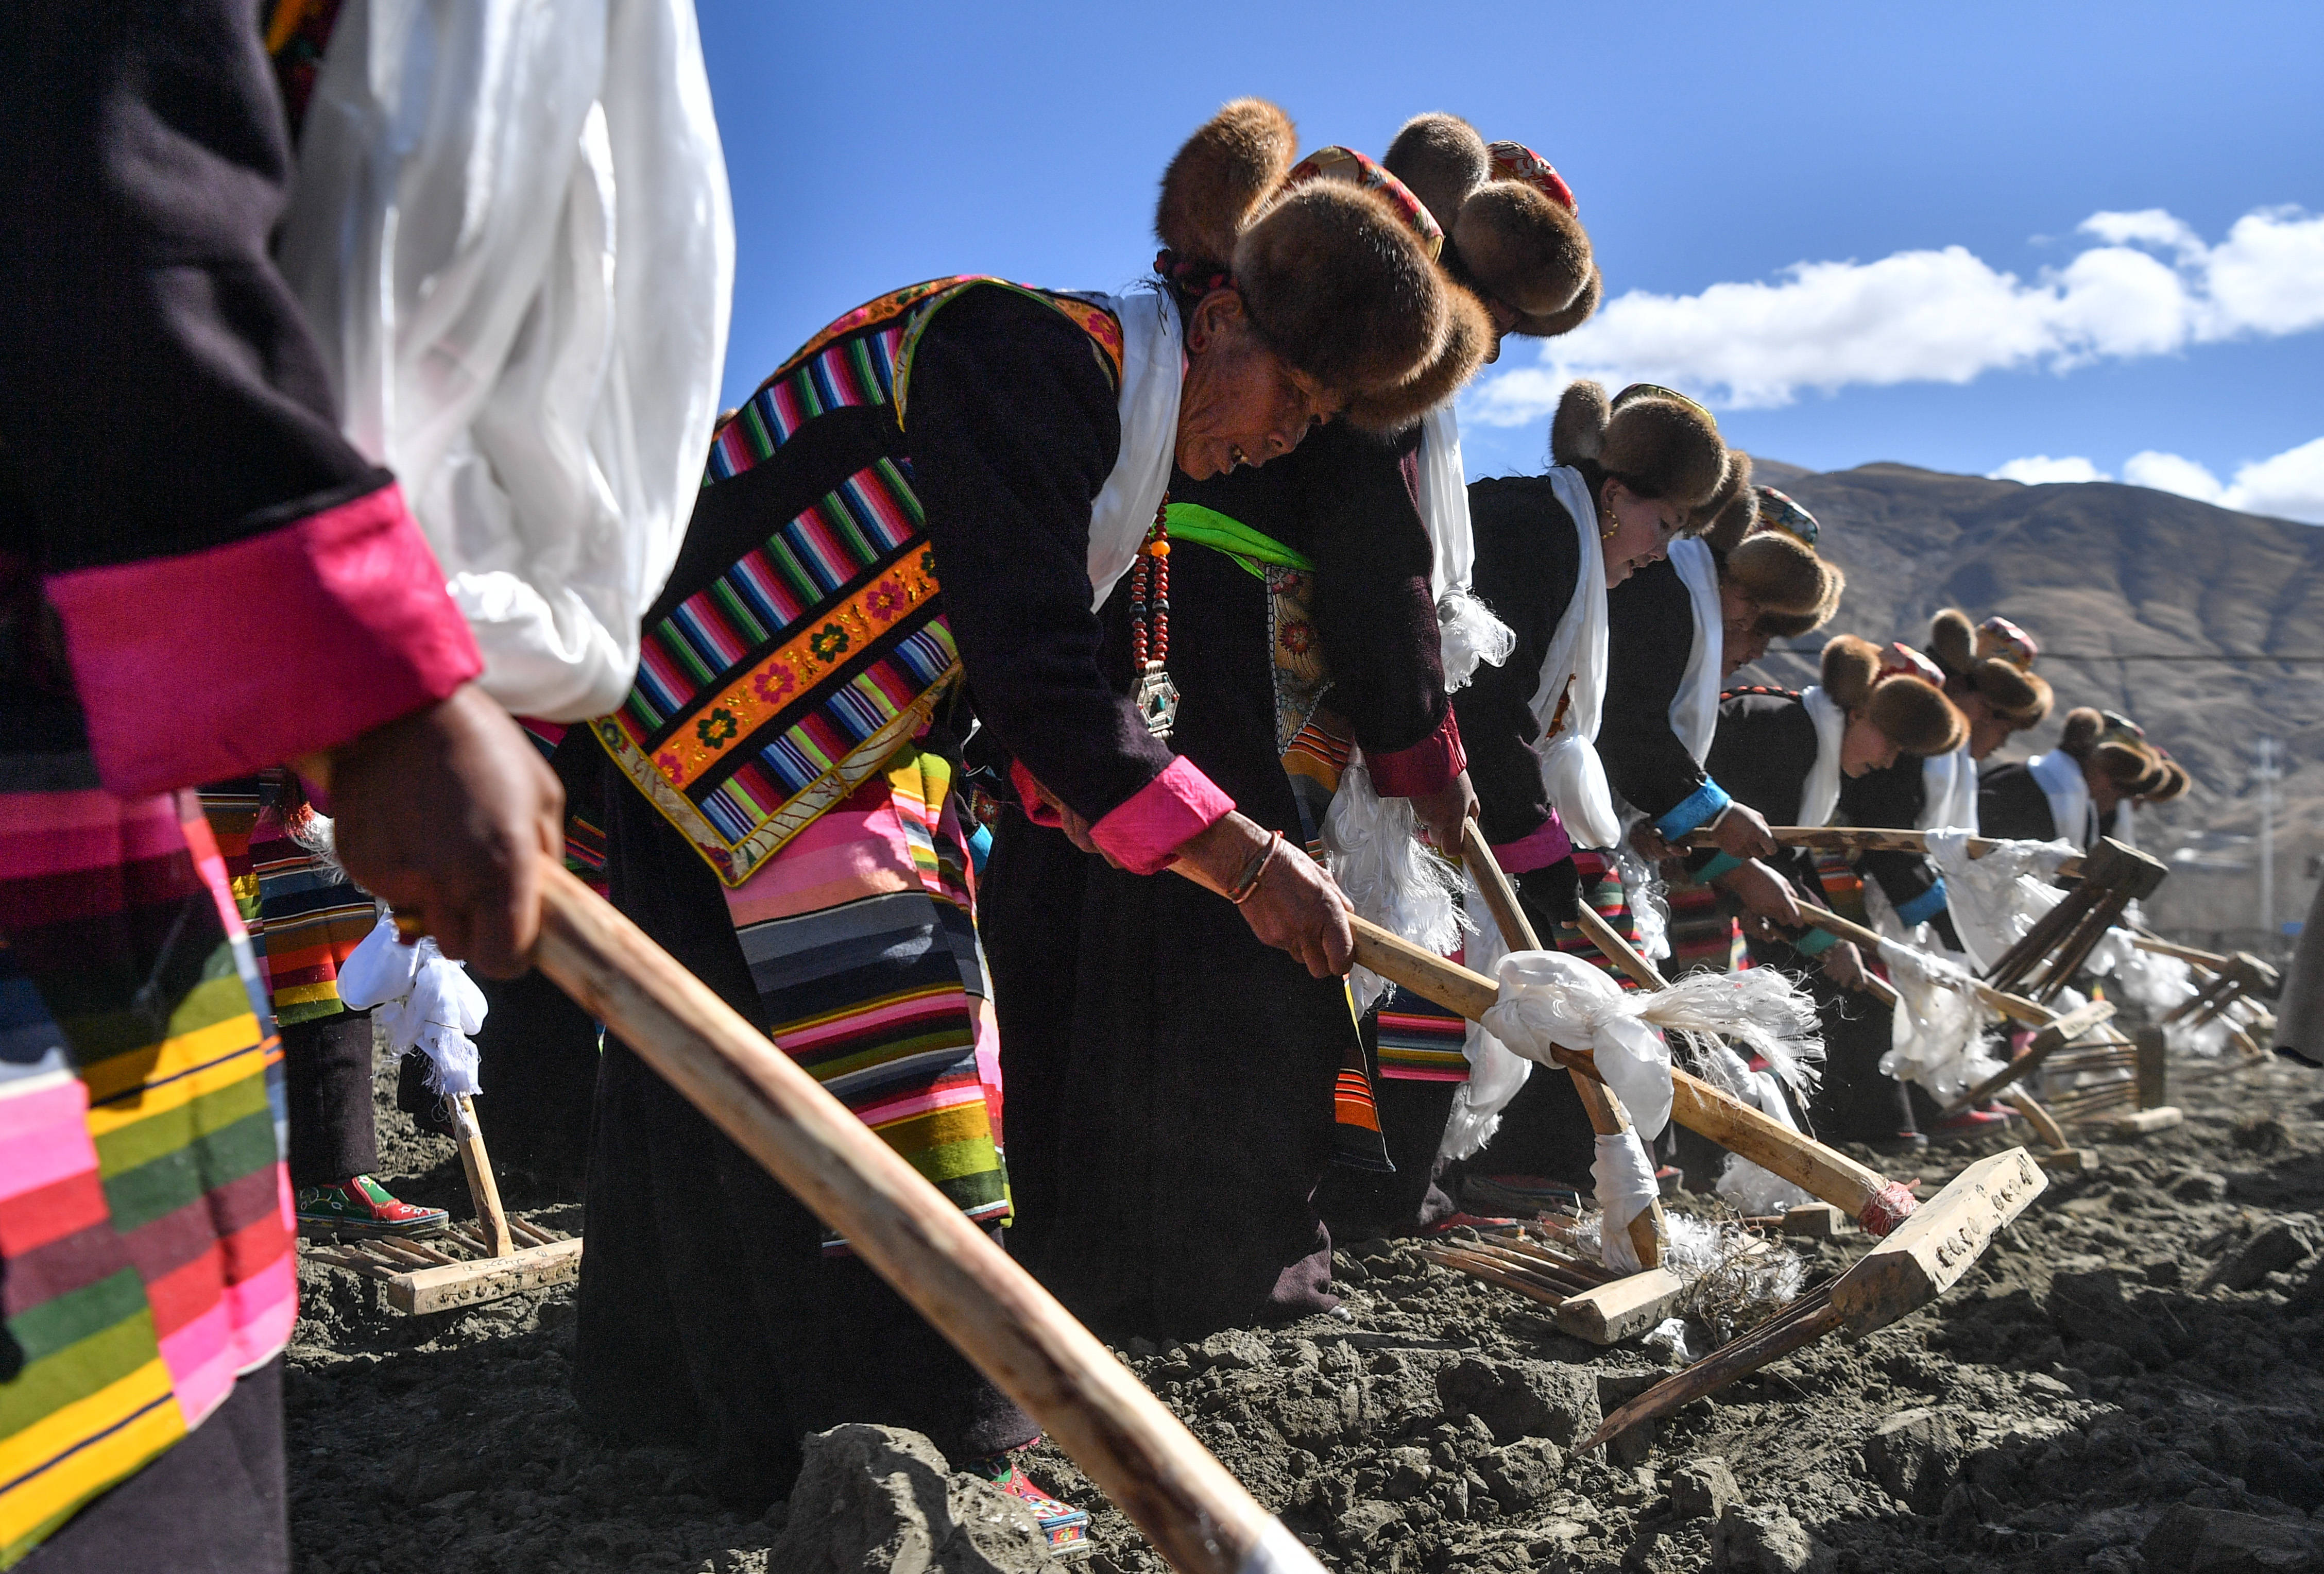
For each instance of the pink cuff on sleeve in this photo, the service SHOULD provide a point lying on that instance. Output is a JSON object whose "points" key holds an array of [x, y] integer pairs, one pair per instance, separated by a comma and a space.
{"points": [[1038, 808], [1547, 846], [1425, 768], [215, 662], [1145, 832]]}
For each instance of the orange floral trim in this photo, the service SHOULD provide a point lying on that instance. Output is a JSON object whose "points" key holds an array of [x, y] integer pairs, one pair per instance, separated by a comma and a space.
{"points": [[755, 698]]}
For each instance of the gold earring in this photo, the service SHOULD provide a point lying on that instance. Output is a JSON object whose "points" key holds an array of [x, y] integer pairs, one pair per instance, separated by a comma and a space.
{"points": [[1612, 530]]}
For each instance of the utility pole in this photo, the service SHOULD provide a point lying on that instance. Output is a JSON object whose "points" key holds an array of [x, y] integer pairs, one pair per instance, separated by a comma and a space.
{"points": [[2266, 775]]}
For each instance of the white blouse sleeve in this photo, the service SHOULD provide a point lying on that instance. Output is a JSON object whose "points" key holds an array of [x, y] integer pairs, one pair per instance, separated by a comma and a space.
{"points": [[513, 237]]}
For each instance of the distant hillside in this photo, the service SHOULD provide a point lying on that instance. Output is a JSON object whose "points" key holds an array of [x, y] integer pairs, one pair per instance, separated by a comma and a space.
{"points": [[2096, 569]]}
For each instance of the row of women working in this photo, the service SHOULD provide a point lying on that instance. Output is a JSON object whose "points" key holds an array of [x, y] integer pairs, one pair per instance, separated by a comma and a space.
{"points": [[1030, 657]]}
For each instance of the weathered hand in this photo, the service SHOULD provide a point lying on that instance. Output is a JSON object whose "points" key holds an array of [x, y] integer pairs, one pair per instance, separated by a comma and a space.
{"points": [[1295, 908], [1765, 894], [1445, 813], [1844, 966], [446, 813], [1741, 833]]}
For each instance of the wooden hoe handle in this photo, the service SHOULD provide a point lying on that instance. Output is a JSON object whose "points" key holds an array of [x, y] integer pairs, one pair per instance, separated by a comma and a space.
{"points": [[1649, 1229], [2014, 1006], [1196, 1513], [1850, 838]]}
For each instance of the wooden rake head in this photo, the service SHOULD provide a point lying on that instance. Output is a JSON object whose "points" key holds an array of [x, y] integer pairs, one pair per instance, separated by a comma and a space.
{"points": [[1920, 1260]]}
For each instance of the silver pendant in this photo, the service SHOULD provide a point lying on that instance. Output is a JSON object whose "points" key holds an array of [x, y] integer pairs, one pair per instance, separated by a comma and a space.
{"points": [[1158, 700]]}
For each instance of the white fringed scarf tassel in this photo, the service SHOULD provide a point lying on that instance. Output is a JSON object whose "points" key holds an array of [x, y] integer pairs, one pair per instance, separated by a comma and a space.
{"points": [[1937, 1031], [1372, 846], [1468, 634], [424, 1000]]}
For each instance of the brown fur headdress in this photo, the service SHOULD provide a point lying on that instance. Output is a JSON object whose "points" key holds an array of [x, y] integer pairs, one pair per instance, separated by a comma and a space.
{"points": [[1509, 216], [1339, 274], [1997, 660], [2174, 783], [2116, 745], [1778, 569], [1781, 575], [1895, 692], [1657, 443]]}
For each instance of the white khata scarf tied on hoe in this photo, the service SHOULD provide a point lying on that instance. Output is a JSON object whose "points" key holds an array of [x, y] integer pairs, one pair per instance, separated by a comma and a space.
{"points": [[1548, 998], [1938, 1030], [425, 1001], [1573, 676], [1997, 899], [1623, 1179], [1467, 630], [1494, 1073], [1752, 1189]]}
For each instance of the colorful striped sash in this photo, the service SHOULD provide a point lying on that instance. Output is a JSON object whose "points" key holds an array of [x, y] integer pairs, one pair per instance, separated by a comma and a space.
{"points": [[145, 1217], [772, 693], [861, 939], [304, 915]]}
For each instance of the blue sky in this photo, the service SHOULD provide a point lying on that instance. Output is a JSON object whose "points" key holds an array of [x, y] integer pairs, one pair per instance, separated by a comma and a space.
{"points": [[870, 145]]}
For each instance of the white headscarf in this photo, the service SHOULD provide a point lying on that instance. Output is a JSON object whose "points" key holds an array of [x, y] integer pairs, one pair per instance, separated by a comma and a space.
{"points": [[1694, 709], [1570, 766], [1152, 372], [2060, 776], [1820, 793], [1469, 635]]}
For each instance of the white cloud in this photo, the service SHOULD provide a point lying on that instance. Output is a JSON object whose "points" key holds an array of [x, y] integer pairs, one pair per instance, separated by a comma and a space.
{"points": [[1937, 316], [2171, 473], [2289, 486], [2042, 470]]}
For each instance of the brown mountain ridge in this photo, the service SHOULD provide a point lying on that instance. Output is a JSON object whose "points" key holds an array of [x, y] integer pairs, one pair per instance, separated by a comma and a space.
{"points": [[2106, 576]]}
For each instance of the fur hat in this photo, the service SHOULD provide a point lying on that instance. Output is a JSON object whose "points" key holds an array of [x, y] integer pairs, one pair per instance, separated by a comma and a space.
{"points": [[1468, 342], [1790, 625], [1733, 509], [2115, 744], [1509, 218], [1657, 443], [1739, 515], [1997, 660], [1779, 574], [1338, 275], [2175, 782], [1904, 704]]}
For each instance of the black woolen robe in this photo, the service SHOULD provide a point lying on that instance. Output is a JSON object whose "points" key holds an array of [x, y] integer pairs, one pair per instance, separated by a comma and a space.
{"points": [[709, 1314], [1892, 799], [1762, 753], [1528, 560], [2012, 807], [1649, 639], [1169, 1077]]}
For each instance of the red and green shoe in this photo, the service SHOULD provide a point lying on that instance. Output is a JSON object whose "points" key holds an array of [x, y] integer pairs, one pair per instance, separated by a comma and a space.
{"points": [[1067, 1527], [361, 1205]]}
